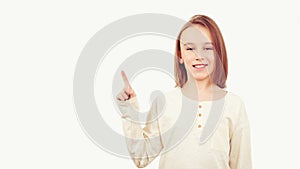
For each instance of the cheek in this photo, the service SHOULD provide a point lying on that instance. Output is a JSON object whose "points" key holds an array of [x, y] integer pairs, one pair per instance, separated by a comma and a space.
{"points": [[187, 56], [210, 58], [211, 62], [212, 65]]}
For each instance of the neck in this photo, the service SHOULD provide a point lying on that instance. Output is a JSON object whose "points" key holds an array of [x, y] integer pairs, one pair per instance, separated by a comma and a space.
{"points": [[199, 90], [200, 86]]}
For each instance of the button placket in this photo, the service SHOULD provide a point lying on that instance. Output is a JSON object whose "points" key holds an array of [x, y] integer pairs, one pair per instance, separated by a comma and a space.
{"points": [[199, 116]]}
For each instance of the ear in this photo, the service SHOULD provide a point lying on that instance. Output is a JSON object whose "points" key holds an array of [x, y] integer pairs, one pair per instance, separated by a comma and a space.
{"points": [[180, 60]]}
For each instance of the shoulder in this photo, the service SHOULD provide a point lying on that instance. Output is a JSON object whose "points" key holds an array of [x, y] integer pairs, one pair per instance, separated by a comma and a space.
{"points": [[234, 99], [235, 110], [168, 98], [171, 93], [235, 105], [161, 98]]}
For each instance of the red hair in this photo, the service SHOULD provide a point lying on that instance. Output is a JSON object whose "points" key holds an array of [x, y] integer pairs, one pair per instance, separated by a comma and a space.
{"points": [[220, 72]]}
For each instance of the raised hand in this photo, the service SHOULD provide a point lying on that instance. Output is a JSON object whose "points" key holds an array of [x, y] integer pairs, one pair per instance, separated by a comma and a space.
{"points": [[127, 92]]}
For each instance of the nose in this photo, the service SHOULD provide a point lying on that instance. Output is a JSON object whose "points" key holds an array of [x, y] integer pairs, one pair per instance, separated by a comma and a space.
{"points": [[199, 56]]}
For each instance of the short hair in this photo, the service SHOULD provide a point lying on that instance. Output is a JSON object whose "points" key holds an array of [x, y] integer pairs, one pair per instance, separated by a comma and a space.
{"points": [[220, 72]]}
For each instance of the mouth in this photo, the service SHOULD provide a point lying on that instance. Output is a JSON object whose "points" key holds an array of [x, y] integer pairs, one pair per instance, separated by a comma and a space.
{"points": [[199, 66]]}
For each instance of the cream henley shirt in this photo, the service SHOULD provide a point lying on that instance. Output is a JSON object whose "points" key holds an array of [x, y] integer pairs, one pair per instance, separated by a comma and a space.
{"points": [[187, 134]]}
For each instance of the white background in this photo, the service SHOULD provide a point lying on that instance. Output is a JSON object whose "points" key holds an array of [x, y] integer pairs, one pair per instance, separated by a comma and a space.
{"points": [[42, 40]]}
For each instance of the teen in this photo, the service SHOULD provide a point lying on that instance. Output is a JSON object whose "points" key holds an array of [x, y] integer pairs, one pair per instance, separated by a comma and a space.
{"points": [[218, 140]]}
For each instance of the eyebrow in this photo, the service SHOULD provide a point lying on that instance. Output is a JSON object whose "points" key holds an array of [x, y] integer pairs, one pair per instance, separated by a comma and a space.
{"points": [[190, 43]]}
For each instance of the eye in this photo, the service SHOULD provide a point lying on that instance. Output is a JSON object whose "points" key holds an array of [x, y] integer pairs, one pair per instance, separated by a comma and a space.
{"points": [[208, 48], [190, 48]]}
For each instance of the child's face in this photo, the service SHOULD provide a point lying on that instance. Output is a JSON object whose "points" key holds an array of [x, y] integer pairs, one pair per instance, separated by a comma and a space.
{"points": [[197, 52]]}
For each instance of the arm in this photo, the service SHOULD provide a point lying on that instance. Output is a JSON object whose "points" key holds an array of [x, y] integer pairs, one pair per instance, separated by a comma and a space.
{"points": [[240, 142], [144, 144]]}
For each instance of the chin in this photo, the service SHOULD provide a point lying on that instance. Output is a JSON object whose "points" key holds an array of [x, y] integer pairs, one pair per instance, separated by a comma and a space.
{"points": [[201, 78], [200, 75]]}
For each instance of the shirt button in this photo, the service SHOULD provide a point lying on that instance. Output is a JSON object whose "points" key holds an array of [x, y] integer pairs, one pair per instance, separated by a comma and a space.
{"points": [[199, 126], [199, 114], [199, 106]]}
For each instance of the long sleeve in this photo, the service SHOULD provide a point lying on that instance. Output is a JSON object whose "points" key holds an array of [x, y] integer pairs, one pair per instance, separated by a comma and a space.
{"points": [[240, 142], [144, 144]]}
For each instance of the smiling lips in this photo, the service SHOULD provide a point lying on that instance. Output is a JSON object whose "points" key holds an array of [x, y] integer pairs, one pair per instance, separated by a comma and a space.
{"points": [[198, 66]]}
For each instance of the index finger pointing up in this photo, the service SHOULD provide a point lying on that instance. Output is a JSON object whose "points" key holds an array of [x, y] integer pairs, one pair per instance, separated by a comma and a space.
{"points": [[125, 79]]}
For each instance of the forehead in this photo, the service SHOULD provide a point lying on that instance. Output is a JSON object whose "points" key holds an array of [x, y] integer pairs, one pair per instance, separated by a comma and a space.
{"points": [[195, 34]]}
